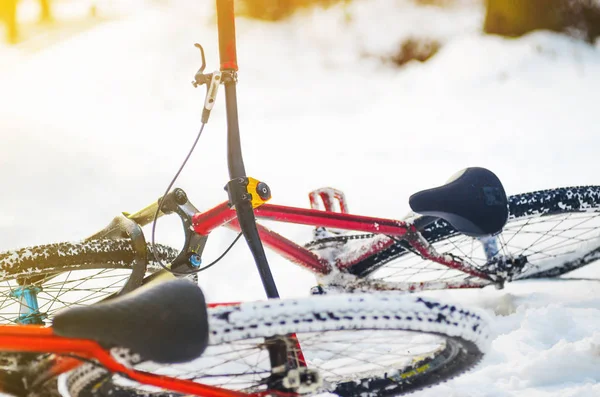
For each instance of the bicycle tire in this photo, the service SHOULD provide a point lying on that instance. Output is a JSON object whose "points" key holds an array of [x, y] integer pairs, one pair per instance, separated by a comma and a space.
{"points": [[578, 206], [324, 325], [65, 269]]}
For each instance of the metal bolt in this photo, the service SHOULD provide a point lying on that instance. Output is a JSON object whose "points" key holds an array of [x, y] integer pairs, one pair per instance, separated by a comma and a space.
{"points": [[180, 197], [263, 191], [195, 260]]}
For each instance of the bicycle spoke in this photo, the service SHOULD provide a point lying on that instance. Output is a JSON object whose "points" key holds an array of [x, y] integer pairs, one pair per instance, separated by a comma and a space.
{"points": [[539, 239], [339, 356], [64, 290]]}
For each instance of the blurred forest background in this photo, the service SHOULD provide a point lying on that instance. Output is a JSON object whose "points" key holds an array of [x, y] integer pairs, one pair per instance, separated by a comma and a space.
{"points": [[578, 18], [503, 17]]}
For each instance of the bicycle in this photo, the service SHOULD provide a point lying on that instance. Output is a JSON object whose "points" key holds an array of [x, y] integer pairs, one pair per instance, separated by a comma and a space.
{"points": [[548, 233], [457, 336]]}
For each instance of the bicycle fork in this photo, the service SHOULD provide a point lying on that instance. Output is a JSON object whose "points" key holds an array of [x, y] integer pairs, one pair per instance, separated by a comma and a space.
{"points": [[29, 311]]}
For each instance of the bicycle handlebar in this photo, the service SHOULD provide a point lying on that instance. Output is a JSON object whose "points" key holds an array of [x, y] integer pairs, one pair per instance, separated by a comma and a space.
{"points": [[226, 26], [235, 162]]}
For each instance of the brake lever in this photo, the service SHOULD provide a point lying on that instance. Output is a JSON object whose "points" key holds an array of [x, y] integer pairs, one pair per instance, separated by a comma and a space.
{"points": [[200, 77], [212, 81]]}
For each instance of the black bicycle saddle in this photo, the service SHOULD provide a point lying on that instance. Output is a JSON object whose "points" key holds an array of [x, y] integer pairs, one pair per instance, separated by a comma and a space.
{"points": [[166, 323], [473, 201]]}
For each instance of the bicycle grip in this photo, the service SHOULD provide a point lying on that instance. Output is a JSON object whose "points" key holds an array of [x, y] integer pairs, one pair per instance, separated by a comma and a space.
{"points": [[226, 27]]}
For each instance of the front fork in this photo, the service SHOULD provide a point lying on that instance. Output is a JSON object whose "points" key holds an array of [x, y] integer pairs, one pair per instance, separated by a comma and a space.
{"points": [[29, 311]]}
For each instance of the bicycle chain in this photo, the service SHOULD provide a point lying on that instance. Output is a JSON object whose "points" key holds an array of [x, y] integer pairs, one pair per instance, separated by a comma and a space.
{"points": [[342, 239]]}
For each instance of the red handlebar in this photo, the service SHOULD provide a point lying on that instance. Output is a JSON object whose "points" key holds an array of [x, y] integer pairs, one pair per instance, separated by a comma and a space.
{"points": [[226, 26]]}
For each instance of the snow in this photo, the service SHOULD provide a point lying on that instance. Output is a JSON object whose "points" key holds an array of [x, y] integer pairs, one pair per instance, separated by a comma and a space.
{"points": [[98, 123], [547, 343]]}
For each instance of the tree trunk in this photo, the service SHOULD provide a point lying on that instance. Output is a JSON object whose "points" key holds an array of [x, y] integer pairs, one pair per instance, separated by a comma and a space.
{"points": [[580, 18], [8, 12], [517, 17], [45, 11]]}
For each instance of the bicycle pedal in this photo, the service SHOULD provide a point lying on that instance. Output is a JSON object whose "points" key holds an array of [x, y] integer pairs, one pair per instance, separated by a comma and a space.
{"points": [[331, 200], [326, 289], [325, 199], [317, 290]]}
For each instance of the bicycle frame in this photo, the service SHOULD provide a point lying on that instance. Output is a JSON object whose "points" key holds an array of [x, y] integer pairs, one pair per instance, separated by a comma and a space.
{"points": [[205, 222], [72, 352]]}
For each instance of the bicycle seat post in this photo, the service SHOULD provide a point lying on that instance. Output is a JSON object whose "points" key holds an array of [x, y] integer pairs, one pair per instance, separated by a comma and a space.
{"points": [[237, 172]]}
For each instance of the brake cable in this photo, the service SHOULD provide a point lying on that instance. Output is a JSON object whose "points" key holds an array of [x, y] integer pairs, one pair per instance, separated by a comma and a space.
{"points": [[159, 209], [212, 81]]}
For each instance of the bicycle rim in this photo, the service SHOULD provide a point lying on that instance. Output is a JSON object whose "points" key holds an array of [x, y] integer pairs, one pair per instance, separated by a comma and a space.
{"points": [[556, 230], [65, 274], [379, 344]]}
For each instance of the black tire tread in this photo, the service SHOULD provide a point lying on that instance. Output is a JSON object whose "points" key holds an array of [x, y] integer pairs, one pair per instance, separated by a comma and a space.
{"points": [[66, 256], [459, 355], [540, 203]]}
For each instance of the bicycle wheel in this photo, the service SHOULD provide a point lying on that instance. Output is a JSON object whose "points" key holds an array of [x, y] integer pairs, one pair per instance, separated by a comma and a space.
{"points": [[379, 344], [65, 274], [551, 232]]}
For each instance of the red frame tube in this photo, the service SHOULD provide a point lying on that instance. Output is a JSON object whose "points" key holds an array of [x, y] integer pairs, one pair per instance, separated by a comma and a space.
{"points": [[37, 339], [203, 223], [288, 249], [226, 26], [335, 220], [422, 246]]}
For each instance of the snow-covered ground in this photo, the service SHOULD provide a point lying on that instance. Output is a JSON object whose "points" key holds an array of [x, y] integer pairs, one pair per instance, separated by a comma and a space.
{"points": [[98, 124]]}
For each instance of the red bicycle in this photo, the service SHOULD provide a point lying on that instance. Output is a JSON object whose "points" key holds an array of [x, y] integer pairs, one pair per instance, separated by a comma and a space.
{"points": [[147, 334]]}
